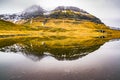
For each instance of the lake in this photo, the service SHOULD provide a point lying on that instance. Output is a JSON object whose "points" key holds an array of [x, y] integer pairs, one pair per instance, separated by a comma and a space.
{"points": [[60, 59]]}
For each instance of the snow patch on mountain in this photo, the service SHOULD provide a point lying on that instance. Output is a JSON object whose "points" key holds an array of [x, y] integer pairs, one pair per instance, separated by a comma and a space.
{"points": [[30, 12], [12, 18]]}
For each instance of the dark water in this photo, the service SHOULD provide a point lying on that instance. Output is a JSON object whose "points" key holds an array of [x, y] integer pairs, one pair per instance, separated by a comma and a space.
{"points": [[37, 59]]}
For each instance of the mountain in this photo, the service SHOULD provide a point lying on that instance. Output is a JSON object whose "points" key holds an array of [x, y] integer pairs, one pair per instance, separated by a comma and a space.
{"points": [[59, 12], [74, 13]]}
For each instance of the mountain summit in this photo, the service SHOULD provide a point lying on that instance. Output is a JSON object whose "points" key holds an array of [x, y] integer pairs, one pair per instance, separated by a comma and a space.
{"points": [[33, 11], [76, 9]]}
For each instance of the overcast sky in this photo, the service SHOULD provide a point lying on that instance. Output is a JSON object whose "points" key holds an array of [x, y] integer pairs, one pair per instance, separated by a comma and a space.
{"points": [[107, 10]]}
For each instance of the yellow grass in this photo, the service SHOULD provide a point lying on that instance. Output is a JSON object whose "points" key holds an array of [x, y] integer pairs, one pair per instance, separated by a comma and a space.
{"points": [[59, 27]]}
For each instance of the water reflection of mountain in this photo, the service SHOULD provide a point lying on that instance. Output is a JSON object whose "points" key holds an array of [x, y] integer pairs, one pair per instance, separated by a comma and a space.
{"points": [[64, 49]]}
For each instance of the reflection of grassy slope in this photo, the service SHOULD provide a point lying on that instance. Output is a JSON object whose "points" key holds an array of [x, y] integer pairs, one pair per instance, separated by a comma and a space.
{"points": [[67, 48]]}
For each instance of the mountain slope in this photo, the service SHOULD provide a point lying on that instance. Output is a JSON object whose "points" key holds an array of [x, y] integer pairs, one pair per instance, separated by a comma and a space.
{"points": [[9, 26], [6, 25]]}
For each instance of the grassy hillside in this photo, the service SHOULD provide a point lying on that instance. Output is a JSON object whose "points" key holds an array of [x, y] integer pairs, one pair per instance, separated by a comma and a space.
{"points": [[9, 26], [4, 25], [65, 23], [47, 27]]}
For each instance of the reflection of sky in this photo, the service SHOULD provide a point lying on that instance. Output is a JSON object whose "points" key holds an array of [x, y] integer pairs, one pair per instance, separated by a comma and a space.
{"points": [[103, 64], [104, 9]]}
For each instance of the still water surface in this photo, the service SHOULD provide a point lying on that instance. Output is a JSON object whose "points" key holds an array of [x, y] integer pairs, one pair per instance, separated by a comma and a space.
{"points": [[102, 63]]}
